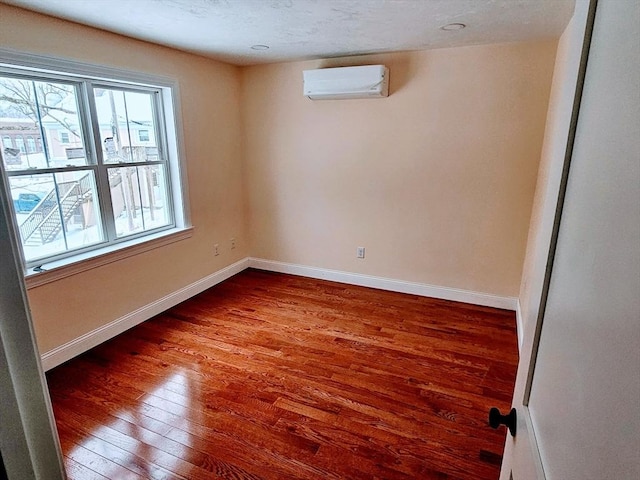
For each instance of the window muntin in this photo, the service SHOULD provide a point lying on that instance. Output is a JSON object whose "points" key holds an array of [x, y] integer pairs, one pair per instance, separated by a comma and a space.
{"points": [[56, 212], [49, 108], [126, 113], [139, 198], [86, 204]]}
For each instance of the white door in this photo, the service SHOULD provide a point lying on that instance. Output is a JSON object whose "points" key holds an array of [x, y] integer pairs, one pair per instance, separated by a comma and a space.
{"points": [[29, 446], [578, 385]]}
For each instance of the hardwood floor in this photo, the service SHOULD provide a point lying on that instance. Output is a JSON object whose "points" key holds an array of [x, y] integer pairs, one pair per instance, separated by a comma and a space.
{"points": [[271, 376]]}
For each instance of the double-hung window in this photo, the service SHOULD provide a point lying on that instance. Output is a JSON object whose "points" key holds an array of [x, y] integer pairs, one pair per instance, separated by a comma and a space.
{"points": [[103, 173]]}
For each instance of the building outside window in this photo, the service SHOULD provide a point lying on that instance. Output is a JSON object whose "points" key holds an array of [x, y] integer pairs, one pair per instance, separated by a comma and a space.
{"points": [[6, 142], [97, 189]]}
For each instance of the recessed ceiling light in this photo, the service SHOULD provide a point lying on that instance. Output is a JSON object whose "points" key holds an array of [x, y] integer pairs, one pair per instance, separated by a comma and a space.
{"points": [[453, 26], [259, 47]]}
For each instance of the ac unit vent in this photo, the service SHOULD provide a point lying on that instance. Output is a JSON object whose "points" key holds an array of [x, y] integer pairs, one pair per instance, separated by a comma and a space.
{"points": [[369, 81]]}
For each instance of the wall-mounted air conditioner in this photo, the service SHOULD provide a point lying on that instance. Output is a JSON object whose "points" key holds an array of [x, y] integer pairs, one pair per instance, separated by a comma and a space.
{"points": [[369, 81]]}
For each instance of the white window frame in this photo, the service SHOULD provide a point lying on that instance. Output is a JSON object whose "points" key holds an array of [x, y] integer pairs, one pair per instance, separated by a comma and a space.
{"points": [[85, 259]]}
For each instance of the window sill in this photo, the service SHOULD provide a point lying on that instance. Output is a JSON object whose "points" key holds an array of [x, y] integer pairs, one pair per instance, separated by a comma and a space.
{"points": [[81, 263]]}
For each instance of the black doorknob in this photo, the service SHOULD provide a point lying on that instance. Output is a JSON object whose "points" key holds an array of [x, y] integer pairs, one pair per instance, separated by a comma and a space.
{"points": [[496, 419]]}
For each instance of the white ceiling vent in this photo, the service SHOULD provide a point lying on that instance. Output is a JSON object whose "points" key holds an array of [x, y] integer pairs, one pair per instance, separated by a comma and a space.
{"points": [[369, 81]]}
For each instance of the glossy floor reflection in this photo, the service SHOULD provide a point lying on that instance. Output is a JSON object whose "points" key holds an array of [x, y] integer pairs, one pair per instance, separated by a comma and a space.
{"points": [[271, 376]]}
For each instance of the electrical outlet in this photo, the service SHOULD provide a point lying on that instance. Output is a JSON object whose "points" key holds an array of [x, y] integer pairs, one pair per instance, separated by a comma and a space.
{"points": [[216, 249], [360, 252], [233, 243]]}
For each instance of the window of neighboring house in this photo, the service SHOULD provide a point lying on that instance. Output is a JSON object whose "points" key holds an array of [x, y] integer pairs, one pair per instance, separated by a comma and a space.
{"points": [[143, 135], [31, 145], [6, 142], [20, 144], [101, 189]]}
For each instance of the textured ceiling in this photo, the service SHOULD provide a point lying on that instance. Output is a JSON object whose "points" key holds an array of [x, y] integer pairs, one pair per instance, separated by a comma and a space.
{"points": [[303, 29]]}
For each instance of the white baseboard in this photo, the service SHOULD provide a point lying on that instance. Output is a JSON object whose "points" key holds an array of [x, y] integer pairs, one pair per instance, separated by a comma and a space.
{"points": [[65, 352], [424, 290], [519, 325]]}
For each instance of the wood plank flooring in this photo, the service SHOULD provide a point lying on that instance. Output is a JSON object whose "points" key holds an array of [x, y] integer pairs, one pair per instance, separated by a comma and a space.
{"points": [[271, 376]]}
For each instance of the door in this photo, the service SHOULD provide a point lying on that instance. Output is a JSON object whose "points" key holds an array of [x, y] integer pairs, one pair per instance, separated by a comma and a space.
{"points": [[578, 384], [29, 447]]}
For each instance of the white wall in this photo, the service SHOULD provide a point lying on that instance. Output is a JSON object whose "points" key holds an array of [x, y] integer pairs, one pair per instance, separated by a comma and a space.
{"points": [[565, 76], [520, 451], [66, 309], [436, 181], [586, 384]]}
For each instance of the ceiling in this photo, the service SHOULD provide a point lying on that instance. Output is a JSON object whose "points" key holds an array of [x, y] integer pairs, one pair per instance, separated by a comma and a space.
{"points": [[304, 29]]}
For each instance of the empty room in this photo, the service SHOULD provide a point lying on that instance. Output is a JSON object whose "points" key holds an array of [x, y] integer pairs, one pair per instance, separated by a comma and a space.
{"points": [[304, 239]]}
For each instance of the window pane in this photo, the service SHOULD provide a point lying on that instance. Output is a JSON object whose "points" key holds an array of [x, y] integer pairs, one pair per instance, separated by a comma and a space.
{"points": [[127, 125], [56, 213], [48, 126], [143, 135], [38, 109], [139, 198], [153, 189]]}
